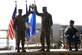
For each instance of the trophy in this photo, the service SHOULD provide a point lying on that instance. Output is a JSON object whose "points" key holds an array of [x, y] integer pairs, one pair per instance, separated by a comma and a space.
{"points": [[32, 7]]}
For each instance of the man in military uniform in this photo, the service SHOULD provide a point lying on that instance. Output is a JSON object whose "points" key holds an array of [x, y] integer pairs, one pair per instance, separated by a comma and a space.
{"points": [[20, 28], [46, 26], [72, 38]]}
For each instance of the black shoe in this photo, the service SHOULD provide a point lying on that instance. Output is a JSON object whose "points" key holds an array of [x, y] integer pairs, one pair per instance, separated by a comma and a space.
{"points": [[41, 50], [76, 50], [48, 50], [23, 50], [70, 49], [18, 51]]}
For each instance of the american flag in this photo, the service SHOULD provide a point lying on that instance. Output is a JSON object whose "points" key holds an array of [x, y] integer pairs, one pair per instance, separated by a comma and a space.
{"points": [[10, 31]]}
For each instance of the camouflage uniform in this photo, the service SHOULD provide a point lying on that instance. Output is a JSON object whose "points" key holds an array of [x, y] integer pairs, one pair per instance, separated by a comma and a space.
{"points": [[46, 26], [72, 38], [20, 28]]}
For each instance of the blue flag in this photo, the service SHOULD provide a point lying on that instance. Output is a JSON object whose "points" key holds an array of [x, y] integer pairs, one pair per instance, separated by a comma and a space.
{"points": [[27, 24], [33, 24]]}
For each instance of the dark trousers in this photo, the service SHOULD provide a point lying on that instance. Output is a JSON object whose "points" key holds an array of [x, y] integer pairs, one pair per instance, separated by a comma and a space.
{"points": [[75, 45], [45, 33], [20, 38]]}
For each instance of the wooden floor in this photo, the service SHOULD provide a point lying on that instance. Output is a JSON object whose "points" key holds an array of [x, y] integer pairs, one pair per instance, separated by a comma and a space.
{"points": [[36, 52]]}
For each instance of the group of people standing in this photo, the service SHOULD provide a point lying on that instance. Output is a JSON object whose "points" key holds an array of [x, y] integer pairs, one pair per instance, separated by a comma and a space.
{"points": [[20, 27]]}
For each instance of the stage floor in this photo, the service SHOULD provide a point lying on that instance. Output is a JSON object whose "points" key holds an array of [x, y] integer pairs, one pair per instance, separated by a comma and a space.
{"points": [[36, 52]]}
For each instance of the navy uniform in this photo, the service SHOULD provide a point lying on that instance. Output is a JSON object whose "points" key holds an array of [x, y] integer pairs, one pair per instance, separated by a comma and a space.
{"points": [[72, 38], [20, 28], [46, 26]]}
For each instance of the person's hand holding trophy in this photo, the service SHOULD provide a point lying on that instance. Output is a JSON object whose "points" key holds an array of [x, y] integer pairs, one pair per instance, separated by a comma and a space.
{"points": [[32, 7]]}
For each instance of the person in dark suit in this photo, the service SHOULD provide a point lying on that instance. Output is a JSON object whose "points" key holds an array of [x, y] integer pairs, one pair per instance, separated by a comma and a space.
{"points": [[72, 37], [45, 29]]}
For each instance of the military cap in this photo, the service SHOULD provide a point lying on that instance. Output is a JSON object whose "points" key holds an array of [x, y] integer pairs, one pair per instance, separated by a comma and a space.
{"points": [[19, 10], [71, 21], [44, 7]]}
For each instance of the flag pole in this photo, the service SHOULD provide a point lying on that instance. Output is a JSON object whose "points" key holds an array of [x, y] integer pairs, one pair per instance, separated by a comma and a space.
{"points": [[26, 12], [34, 2], [15, 46], [26, 1], [36, 40], [15, 2]]}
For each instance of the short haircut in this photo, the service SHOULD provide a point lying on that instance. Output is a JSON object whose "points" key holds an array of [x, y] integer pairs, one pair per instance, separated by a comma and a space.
{"points": [[19, 10], [71, 21], [44, 7]]}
